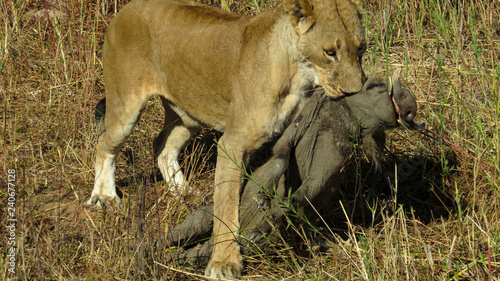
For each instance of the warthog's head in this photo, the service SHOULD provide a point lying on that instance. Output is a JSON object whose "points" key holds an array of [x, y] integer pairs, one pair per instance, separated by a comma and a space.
{"points": [[379, 106], [332, 42]]}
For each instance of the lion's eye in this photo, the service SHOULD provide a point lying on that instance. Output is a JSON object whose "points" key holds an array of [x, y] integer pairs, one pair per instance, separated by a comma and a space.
{"points": [[331, 53], [361, 49]]}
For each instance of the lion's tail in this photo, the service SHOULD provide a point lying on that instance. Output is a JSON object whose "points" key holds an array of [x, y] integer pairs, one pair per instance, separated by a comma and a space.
{"points": [[100, 111]]}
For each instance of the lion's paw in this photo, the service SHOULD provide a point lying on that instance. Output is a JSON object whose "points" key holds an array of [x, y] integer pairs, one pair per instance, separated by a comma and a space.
{"points": [[104, 201], [224, 270]]}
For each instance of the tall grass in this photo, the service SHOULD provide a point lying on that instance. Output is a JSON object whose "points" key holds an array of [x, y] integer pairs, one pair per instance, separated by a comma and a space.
{"points": [[431, 213]]}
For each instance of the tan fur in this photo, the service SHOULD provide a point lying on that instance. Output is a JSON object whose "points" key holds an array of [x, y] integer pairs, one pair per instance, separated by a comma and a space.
{"points": [[244, 76]]}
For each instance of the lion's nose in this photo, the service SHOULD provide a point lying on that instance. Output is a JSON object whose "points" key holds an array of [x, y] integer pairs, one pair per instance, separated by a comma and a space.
{"points": [[348, 93]]}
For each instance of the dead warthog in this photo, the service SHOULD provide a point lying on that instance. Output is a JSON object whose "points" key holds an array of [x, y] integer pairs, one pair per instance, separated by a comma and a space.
{"points": [[306, 165]]}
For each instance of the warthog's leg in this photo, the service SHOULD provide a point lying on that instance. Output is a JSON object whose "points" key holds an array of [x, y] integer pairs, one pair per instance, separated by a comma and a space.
{"points": [[254, 215], [263, 190], [264, 186], [196, 227], [168, 144], [193, 237], [319, 160]]}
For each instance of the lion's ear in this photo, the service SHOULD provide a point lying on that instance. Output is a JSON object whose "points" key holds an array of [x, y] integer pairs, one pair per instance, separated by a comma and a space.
{"points": [[300, 13]]}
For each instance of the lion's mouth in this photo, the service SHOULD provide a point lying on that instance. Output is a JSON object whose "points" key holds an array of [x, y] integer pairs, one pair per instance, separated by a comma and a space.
{"points": [[333, 92]]}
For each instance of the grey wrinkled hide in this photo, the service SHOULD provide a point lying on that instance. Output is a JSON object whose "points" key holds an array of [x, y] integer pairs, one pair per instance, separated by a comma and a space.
{"points": [[306, 164]]}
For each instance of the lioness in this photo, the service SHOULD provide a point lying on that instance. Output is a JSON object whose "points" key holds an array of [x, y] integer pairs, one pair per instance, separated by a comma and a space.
{"points": [[244, 76]]}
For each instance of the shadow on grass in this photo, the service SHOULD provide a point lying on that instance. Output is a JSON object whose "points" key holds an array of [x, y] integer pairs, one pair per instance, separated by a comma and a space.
{"points": [[413, 184]]}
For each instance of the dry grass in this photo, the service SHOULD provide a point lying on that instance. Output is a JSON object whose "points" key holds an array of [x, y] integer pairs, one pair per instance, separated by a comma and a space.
{"points": [[432, 213]]}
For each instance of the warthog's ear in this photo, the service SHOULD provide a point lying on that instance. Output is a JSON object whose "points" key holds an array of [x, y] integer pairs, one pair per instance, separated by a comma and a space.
{"points": [[394, 82], [301, 14]]}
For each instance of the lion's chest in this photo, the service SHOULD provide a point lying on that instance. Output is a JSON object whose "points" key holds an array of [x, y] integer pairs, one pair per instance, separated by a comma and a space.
{"points": [[288, 108], [303, 81]]}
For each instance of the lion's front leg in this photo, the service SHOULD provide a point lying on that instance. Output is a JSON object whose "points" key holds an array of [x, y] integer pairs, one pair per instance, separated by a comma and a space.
{"points": [[226, 260]]}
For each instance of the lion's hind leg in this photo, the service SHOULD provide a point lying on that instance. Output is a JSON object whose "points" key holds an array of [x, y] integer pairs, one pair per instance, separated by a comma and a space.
{"points": [[121, 116], [169, 143]]}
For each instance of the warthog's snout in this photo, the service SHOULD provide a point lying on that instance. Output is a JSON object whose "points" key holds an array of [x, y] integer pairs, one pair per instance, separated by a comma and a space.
{"points": [[405, 104]]}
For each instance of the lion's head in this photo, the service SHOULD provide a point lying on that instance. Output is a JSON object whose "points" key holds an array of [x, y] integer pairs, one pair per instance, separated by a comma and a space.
{"points": [[331, 39]]}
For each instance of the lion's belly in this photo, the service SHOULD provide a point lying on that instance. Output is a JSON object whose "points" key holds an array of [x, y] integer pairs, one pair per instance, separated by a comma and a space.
{"points": [[203, 95]]}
